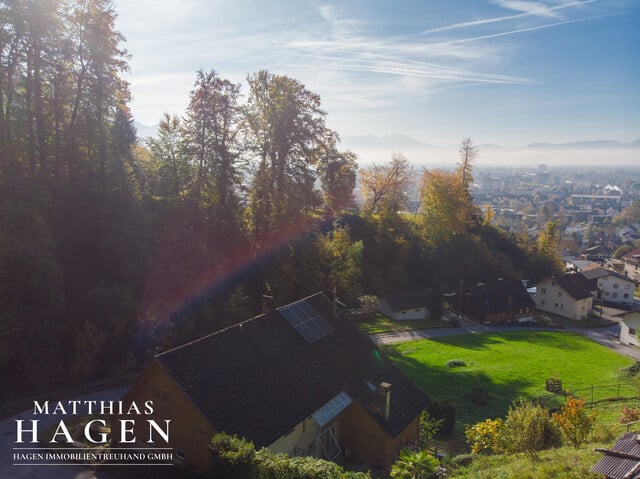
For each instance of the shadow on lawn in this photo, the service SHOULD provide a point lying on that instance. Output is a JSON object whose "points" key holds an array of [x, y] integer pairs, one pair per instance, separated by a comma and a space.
{"points": [[457, 385], [552, 339]]}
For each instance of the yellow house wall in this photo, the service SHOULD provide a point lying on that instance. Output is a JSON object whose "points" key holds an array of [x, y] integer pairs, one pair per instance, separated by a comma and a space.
{"points": [[189, 431]]}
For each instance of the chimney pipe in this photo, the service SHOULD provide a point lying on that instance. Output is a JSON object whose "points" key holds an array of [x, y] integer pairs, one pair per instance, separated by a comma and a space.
{"points": [[385, 391], [267, 303]]}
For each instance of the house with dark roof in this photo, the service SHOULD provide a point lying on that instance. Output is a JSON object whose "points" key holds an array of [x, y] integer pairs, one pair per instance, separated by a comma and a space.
{"points": [[404, 305], [569, 295], [496, 302], [632, 265], [622, 461], [298, 380], [611, 287]]}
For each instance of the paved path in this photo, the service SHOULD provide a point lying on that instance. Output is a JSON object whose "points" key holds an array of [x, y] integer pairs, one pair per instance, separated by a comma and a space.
{"points": [[8, 436]]}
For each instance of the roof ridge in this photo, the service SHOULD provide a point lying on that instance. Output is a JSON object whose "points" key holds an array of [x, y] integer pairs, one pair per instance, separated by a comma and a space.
{"points": [[215, 333]]}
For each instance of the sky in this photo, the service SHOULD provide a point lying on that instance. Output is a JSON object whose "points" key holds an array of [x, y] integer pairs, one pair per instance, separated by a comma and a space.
{"points": [[505, 72]]}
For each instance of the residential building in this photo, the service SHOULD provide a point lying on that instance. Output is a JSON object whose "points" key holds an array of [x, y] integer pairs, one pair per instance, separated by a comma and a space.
{"points": [[404, 305], [497, 302], [568, 296], [632, 265], [298, 380], [612, 287], [629, 328]]}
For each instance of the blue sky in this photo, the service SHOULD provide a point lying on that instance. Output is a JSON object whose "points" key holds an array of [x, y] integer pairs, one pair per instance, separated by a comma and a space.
{"points": [[506, 72]]}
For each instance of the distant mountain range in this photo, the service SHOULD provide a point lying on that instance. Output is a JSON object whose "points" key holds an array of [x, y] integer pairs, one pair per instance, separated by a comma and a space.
{"points": [[399, 142]]}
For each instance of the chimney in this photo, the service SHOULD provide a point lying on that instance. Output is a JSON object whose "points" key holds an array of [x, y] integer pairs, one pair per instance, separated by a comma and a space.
{"points": [[267, 303], [385, 392]]}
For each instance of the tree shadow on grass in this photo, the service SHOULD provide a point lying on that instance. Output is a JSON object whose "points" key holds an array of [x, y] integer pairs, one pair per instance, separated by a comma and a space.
{"points": [[456, 385], [559, 339]]}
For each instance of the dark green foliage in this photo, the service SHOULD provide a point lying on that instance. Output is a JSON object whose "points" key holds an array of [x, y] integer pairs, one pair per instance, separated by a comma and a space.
{"points": [[445, 411], [234, 458], [529, 428]]}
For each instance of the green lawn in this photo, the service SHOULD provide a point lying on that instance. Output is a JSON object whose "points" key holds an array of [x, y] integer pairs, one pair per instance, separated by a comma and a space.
{"points": [[382, 324], [510, 366]]}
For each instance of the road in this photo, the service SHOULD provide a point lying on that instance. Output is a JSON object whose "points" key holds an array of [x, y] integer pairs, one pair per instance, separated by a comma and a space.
{"points": [[8, 437]]}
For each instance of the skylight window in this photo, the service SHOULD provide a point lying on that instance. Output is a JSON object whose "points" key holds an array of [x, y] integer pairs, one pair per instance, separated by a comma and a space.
{"points": [[330, 410]]}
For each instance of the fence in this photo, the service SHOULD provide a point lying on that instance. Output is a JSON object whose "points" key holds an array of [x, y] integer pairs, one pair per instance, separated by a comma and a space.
{"points": [[596, 393]]}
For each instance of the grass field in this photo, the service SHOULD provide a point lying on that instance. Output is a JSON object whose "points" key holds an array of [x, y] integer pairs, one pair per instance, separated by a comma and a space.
{"points": [[509, 366], [382, 324]]}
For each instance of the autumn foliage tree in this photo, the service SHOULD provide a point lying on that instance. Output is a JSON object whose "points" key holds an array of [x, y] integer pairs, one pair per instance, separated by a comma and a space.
{"points": [[574, 421], [386, 187]]}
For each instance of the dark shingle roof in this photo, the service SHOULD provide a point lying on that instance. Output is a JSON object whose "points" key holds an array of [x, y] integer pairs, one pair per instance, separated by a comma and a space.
{"points": [[597, 273], [500, 297], [405, 300], [622, 461], [260, 378], [576, 285]]}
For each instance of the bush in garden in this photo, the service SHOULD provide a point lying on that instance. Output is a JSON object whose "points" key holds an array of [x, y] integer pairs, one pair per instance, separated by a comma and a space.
{"points": [[629, 414], [486, 437], [235, 458], [529, 428], [445, 411], [455, 363], [574, 421]]}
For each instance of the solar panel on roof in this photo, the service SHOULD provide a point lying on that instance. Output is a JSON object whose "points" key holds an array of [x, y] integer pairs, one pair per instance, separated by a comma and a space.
{"points": [[304, 319]]}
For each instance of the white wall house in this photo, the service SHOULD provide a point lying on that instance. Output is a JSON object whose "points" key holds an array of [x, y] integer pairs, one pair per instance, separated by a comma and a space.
{"points": [[406, 305], [612, 287], [632, 265], [565, 296], [630, 328]]}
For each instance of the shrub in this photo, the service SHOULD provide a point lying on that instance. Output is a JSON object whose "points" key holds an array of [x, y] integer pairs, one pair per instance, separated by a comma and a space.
{"points": [[462, 459], [486, 437], [414, 465], [529, 428], [455, 363], [236, 458], [445, 411], [429, 427], [231, 457], [629, 414], [574, 422]]}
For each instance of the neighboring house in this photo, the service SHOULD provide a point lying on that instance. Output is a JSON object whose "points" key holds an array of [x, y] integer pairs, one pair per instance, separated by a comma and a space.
{"points": [[612, 287], [622, 461], [632, 265], [497, 302], [629, 328], [568, 295], [298, 380], [406, 305]]}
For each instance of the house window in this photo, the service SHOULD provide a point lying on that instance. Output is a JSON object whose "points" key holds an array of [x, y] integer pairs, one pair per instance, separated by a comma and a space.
{"points": [[556, 305], [615, 295], [562, 306], [417, 310], [615, 285], [626, 295], [559, 294], [606, 293], [543, 291]]}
